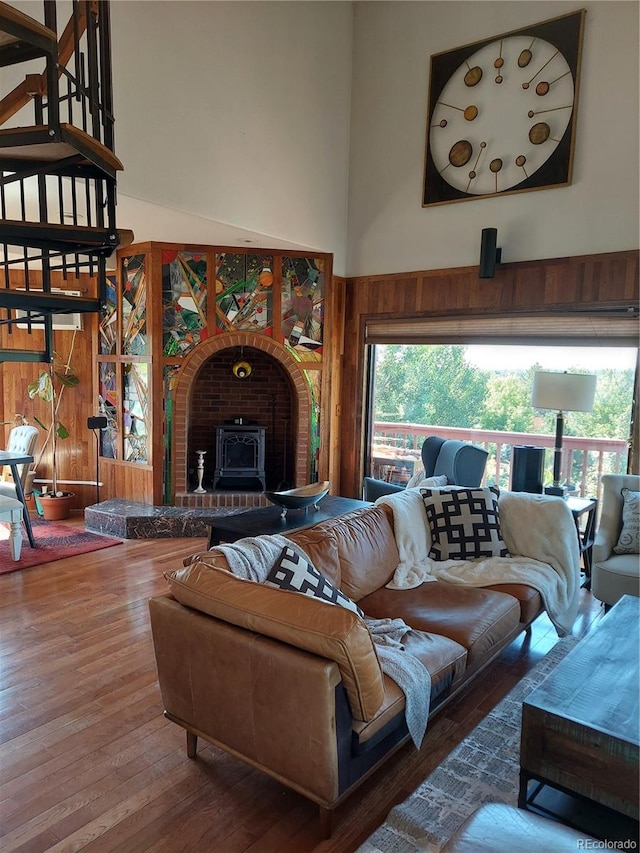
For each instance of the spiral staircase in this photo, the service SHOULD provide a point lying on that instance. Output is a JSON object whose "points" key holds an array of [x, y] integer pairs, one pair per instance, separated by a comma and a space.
{"points": [[57, 169]]}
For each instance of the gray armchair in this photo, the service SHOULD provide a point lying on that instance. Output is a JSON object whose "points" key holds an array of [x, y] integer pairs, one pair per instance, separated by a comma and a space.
{"points": [[613, 574], [462, 463], [22, 439]]}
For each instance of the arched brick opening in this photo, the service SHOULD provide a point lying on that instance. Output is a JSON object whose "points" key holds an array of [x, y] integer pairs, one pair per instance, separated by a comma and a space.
{"points": [[185, 387]]}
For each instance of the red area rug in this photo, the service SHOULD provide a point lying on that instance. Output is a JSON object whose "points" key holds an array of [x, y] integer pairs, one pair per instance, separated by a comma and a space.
{"points": [[54, 541]]}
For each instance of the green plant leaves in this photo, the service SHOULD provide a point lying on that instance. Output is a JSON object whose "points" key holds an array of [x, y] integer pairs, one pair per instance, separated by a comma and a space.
{"points": [[69, 380], [41, 387]]}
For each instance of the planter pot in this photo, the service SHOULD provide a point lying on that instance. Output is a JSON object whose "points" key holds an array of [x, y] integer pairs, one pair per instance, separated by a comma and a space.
{"points": [[30, 501], [55, 509]]}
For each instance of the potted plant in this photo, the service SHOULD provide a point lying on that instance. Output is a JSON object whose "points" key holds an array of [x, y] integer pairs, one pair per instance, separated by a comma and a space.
{"points": [[49, 387]]}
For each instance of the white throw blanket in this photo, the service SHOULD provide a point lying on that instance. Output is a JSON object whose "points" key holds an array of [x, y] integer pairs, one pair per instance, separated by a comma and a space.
{"points": [[408, 672], [539, 532], [252, 559]]}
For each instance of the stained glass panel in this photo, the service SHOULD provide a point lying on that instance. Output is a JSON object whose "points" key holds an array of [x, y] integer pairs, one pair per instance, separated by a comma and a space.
{"points": [[303, 305], [169, 376], [108, 316], [134, 298], [135, 412], [108, 405], [314, 379], [244, 293], [184, 301]]}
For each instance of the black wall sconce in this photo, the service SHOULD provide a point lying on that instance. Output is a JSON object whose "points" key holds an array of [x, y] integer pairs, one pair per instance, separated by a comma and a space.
{"points": [[490, 255]]}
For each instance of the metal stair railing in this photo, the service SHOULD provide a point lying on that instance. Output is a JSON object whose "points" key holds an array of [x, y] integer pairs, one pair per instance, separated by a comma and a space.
{"points": [[58, 174]]}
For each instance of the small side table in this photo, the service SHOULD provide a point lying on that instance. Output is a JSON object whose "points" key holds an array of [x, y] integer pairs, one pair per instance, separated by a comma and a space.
{"points": [[584, 514]]}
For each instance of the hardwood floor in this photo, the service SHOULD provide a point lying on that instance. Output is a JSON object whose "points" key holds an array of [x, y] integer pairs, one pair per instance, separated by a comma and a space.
{"points": [[87, 761]]}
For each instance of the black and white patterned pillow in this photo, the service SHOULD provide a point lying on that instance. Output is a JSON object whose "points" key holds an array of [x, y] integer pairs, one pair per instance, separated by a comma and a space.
{"points": [[464, 523], [292, 572]]}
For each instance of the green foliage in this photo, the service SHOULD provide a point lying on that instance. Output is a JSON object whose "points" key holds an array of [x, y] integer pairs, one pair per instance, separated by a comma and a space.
{"points": [[507, 404], [49, 387], [429, 384]]}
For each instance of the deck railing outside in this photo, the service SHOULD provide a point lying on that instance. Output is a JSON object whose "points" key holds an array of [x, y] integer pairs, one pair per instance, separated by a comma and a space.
{"points": [[396, 447]]}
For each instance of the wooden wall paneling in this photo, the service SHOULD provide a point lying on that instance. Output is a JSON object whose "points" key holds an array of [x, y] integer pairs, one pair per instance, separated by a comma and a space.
{"points": [[332, 381], [125, 480], [589, 282], [75, 454]]}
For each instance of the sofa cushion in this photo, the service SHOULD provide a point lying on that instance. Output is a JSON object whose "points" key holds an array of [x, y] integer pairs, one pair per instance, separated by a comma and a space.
{"points": [[464, 523], [531, 604], [330, 632], [445, 661], [295, 573], [480, 620], [367, 549], [319, 543], [629, 539]]}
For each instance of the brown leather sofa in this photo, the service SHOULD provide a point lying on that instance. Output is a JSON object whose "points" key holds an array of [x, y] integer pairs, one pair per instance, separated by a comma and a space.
{"points": [[293, 686]]}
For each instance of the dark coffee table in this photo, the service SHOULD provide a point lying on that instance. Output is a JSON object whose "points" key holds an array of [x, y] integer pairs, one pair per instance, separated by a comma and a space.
{"points": [[580, 727], [268, 520]]}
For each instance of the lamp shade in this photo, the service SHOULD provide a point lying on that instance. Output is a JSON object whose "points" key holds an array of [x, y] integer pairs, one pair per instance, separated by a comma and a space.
{"points": [[563, 392]]}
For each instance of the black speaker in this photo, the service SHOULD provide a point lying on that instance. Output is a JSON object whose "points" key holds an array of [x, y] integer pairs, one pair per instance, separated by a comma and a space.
{"points": [[97, 422], [527, 469], [489, 254]]}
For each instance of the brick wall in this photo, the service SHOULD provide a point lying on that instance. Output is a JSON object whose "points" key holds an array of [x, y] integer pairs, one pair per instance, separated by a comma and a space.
{"points": [[265, 397], [207, 394]]}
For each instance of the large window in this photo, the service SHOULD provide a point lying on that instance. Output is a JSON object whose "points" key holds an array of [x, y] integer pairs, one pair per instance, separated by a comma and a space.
{"points": [[482, 393]]}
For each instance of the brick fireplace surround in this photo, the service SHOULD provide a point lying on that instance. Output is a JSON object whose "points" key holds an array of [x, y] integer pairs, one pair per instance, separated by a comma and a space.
{"points": [[186, 387], [189, 512]]}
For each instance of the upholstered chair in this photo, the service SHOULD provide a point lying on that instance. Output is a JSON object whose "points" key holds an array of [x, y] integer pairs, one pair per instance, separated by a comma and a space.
{"points": [[22, 439], [615, 567], [462, 463]]}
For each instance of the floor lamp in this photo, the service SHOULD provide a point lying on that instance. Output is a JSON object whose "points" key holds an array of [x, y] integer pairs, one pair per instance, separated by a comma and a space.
{"points": [[96, 424], [562, 392]]}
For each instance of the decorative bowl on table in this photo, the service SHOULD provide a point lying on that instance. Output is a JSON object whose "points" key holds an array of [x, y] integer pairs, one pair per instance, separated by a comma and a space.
{"points": [[300, 498]]}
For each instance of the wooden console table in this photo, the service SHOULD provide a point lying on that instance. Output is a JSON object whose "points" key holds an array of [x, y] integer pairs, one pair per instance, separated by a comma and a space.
{"points": [[268, 520], [581, 726]]}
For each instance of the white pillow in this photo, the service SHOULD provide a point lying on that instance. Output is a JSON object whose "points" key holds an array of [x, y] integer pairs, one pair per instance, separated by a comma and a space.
{"points": [[418, 480]]}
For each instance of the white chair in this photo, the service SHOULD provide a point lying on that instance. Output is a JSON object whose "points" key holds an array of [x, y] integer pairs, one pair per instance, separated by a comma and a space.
{"points": [[11, 511], [612, 574], [22, 439]]}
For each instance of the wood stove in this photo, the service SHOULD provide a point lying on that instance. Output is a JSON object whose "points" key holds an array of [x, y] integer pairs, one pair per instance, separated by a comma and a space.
{"points": [[239, 457]]}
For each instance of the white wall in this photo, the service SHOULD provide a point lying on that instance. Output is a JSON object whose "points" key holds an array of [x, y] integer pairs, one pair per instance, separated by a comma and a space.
{"points": [[389, 231], [302, 125], [237, 113]]}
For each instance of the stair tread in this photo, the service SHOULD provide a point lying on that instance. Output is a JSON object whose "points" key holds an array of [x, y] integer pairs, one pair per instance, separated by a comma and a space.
{"points": [[22, 37], [83, 239], [33, 144], [38, 300]]}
